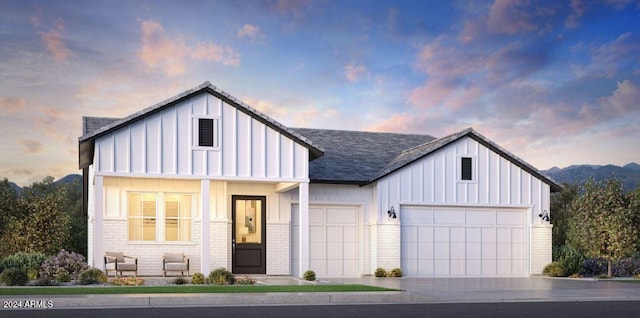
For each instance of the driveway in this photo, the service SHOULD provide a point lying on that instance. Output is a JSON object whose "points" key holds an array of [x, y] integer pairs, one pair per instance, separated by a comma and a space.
{"points": [[507, 289]]}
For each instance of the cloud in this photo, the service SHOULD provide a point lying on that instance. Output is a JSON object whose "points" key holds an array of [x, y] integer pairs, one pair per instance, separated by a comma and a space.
{"points": [[608, 59], [624, 99], [250, 32], [354, 72], [31, 146], [294, 8], [54, 41], [510, 17], [10, 105], [171, 55]]}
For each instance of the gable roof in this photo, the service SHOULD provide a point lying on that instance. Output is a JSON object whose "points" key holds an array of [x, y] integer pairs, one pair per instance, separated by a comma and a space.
{"points": [[94, 127], [409, 156], [355, 157]]}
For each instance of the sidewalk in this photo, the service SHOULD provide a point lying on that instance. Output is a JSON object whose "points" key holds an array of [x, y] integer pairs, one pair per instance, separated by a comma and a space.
{"points": [[423, 290]]}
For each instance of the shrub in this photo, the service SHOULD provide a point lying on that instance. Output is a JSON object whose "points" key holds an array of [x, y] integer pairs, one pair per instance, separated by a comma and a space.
{"points": [[62, 275], [180, 281], [594, 266], [246, 280], [570, 259], [396, 272], [553, 269], [197, 279], [72, 262], [380, 272], [92, 276], [221, 276], [626, 267], [29, 262], [128, 281], [309, 275], [14, 277], [41, 281]]}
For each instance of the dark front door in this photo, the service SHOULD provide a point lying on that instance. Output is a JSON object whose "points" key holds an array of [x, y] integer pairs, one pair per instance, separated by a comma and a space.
{"points": [[248, 237]]}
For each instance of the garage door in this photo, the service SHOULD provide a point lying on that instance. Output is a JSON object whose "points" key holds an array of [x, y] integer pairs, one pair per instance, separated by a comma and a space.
{"points": [[333, 241], [441, 242]]}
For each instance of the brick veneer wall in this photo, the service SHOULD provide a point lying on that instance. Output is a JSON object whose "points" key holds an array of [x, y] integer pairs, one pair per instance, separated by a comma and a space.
{"points": [[540, 248]]}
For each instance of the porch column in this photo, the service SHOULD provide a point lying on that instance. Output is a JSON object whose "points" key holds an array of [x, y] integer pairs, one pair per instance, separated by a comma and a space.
{"points": [[303, 209], [98, 214], [205, 217]]}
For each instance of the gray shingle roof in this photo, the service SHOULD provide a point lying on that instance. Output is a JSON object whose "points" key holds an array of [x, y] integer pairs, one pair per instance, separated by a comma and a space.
{"points": [[356, 156]]}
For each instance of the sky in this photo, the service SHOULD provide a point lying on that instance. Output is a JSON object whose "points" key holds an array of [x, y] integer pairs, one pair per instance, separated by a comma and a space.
{"points": [[557, 83]]}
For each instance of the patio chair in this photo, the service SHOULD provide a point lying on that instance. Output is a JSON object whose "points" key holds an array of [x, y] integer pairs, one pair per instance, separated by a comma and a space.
{"points": [[117, 262], [177, 262]]}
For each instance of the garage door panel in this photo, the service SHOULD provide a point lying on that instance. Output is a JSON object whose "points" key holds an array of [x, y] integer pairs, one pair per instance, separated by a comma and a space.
{"points": [[317, 215], [456, 234], [319, 266], [334, 233], [342, 216], [350, 250], [317, 250], [457, 251], [350, 234], [464, 242], [317, 234], [334, 251], [417, 215]]}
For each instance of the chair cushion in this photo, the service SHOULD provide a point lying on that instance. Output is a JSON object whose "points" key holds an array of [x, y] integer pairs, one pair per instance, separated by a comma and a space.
{"points": [[127, 266], [174, 257], [118, 255], [176, 267]]}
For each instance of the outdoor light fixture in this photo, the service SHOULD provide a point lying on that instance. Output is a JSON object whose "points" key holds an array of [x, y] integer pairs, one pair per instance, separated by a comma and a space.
{"points": [[544, 215], [392, 213]]}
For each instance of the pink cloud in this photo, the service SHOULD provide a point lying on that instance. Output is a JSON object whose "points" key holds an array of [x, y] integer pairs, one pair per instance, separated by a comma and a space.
{"points": [[171, 55], [55, 45], [31, 146], [354, 72], [291, 7], [250, 32], [510, 17], [10, 105], [624, 99]]}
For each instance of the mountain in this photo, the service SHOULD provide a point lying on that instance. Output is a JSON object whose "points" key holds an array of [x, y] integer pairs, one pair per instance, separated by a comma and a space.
{"points": [[629, 174], [68, 179]]}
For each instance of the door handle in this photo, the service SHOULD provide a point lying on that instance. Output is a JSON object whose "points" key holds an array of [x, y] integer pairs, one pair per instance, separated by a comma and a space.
{"points": [[233, 246]]}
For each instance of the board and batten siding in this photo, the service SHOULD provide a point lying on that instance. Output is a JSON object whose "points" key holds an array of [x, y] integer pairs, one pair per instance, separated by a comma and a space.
{"points": [[435, 180], [163, 144]]}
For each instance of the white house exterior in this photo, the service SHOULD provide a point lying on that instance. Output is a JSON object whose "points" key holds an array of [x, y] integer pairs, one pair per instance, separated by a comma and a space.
{"points": [[205, 174]]}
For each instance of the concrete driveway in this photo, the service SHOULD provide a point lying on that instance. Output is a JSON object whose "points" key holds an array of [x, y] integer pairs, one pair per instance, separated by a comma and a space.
{"points": [[507, 289]]}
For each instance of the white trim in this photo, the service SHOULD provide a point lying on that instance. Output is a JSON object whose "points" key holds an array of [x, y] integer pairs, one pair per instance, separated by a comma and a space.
{"points": [[200, 177], [474, 168], [205, 235], [195, 130]]}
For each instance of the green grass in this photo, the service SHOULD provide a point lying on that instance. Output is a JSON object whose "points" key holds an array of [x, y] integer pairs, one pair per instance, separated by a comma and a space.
{"points": [[204, 289]]}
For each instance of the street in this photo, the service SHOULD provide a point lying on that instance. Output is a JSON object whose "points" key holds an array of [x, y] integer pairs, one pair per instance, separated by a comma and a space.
{"points": [[511, 309]]}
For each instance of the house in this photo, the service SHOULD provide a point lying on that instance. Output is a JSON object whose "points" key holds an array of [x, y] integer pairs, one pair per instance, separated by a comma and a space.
{"points": [[205, 174]]}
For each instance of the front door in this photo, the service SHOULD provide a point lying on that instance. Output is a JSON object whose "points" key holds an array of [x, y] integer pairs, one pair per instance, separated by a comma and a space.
{"points": [[248, 237]]}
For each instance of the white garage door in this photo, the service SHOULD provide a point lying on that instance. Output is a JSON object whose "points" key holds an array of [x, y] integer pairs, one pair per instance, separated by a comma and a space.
{"points": [[333, 241], [459, 242]]}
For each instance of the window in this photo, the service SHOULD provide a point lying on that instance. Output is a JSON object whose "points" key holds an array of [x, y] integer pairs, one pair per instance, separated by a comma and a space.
{"points": [[142, 216], [160, 217], [467, 169], [205, 132]]}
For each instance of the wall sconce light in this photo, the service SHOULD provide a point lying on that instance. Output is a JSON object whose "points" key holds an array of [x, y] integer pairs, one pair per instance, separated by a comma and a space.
{"points": [[544, 215], [392, 213]]}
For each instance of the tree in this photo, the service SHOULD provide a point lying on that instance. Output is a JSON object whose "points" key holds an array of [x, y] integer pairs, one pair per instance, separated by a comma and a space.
{"points": [[41, 224], [561, 212], [602, 224], [8, 210]]}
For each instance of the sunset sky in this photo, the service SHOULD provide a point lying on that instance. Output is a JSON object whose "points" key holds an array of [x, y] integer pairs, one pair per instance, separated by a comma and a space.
{"points": [[555, 82]]}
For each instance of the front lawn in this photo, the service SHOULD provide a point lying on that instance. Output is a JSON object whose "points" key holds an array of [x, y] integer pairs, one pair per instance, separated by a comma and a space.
{"points": [[204, 289]]}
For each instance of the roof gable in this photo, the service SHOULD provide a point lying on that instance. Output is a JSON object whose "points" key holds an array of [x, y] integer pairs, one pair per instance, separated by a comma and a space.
{"points": [[94, 127]]}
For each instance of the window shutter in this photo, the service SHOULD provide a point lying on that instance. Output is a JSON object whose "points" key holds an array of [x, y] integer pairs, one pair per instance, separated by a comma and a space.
{"points": [[467, 173], [205, 132]]}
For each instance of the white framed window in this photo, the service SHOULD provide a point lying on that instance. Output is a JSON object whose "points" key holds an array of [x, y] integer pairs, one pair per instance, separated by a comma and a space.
{"points": [[206, 132], [160, 216], [466, 167]]}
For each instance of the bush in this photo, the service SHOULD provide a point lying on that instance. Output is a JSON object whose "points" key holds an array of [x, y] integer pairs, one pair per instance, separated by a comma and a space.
{"points": [[72, 262], [180, 281], [128, 281], [570, 259], [309, 275], [92, 276], [594, 267], [62, 275], [396, 272], [221, 276], [380, 272], [29, 262], [246, 280], [14, 277], [627, 267], [553, 269], [197, 279]]}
